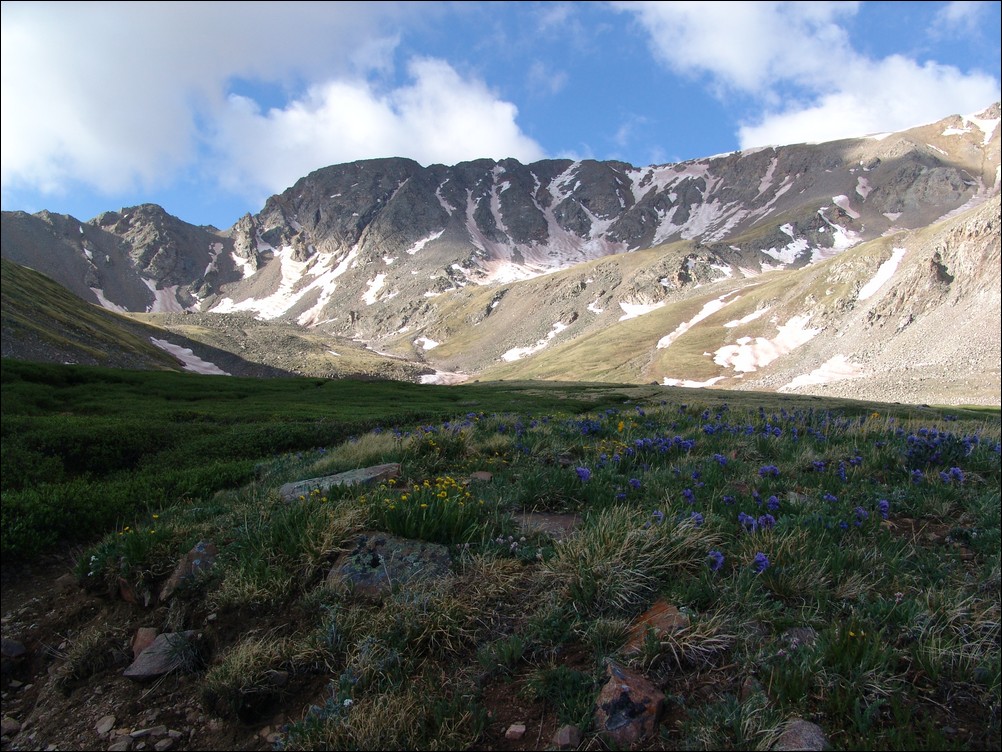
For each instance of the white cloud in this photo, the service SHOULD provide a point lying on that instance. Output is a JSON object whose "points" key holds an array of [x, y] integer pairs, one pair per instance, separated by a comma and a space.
{"points": [[119, 96], [889, 95], [960, 18], [439, 117], [796, 63]]}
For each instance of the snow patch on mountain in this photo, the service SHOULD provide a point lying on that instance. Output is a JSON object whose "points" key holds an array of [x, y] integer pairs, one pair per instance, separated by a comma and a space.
{"points": [[164, 299], [632, 310], [750, 354], [834, 369], [747, 319], [691, 384], [707, 310], [423, 242], [884, 273], [374, 285], [105, 303], [189, 360], [425, 343], [517, 353]]}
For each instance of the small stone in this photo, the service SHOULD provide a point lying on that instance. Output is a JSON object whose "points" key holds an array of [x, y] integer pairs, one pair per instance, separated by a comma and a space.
{"points": [[9, 726], [105, 725], [160, 730], [123, 745], [215, 724], [750, 687], [66, 583], [163, 744], [139, 733], [515, 732], [568, 736], [15, 684], [265, 732], [175, 734], [482, 476]]}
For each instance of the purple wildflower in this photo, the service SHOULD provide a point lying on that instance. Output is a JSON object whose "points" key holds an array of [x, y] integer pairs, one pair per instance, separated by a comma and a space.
{"points": [[697, 518], [831, 498], [957, 474], [721, 460], [689, 496], [716, 560], [634, 483], [917, 476], [658, 516], [761, 562], [728, 500], [884, 507], [772, 504], [583, 473], [768, 470], [766, 521]]}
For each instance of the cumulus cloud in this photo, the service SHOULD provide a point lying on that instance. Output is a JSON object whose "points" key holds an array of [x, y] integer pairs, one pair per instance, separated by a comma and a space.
{"points": [[123, 95], [438, 117], [796, 64]]}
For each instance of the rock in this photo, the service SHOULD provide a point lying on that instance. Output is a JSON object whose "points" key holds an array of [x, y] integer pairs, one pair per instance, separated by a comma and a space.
{"points": [[143, 638], [164, 744], [198, 561], [9, 726], [169, 652], [515, 732], [481, 476], [801, 735], [557, 526], [659, 619], [12, 652], [303, 488], [749, 688], [378, 562], [628, 707], [568, 736], [122, 745], [797, 637], [66, 583], [105, 725]]}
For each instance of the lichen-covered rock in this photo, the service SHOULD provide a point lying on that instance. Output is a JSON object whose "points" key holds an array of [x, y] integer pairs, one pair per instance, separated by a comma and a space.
{"points": [[378, 562]]}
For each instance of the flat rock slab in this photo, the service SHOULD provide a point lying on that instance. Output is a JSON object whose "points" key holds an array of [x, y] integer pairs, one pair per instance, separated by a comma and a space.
{"points": [[198, 561], [169, 652], [557, 526], [303, 488], [378, 561]]}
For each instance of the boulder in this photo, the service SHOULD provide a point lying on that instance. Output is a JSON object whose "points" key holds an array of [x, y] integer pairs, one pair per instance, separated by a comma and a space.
{"points": [[628, 708], [801, 735], [568, 736], [379, 561]]}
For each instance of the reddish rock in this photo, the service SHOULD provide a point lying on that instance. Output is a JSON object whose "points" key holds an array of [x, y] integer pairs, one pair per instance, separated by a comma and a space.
{"points": [[515, 732], [196, 562], [143, 638], [174, 651], [628, 708], [659, 619]]}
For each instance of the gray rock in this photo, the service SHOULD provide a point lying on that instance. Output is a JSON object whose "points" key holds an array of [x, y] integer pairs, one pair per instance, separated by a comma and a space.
{"points": [[9, 726], [105, 725], [304, 488], [568, 736], [801, 735], [174, 651], [378, 562]]}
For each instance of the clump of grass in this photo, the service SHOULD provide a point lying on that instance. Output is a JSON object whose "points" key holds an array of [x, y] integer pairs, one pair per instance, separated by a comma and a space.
{"points": [[619, 559], [93, 650]]}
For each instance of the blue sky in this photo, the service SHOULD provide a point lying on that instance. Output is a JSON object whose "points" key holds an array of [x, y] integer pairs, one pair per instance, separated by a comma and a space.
{"points": [[209, 108]]}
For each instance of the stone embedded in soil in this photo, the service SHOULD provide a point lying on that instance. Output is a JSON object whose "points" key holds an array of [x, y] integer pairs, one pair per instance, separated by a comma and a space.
{"points": [[801, 735], [105, 725], [198, 561], [292, 491], [568, 736], [557, 526], [9, 726], [377, 562], [169, 652], [143, 638], [659, 619], [628, 707], [515, 732]]}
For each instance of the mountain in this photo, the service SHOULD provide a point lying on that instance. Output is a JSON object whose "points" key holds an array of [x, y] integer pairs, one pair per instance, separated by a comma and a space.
{"points": [[860, 264]]}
